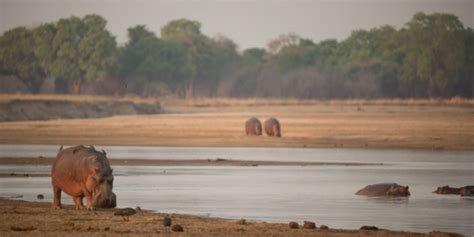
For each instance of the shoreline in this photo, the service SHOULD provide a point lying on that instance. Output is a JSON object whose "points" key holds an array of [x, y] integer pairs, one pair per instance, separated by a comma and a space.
{"points": [[38, 218], [193, 162]]}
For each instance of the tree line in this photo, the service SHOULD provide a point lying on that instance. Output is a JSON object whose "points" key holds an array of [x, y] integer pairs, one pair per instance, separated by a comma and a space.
{"points": [[432, 55]]}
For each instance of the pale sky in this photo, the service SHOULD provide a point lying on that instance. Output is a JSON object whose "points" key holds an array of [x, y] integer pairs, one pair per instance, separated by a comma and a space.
{"points": [[248, 23]]}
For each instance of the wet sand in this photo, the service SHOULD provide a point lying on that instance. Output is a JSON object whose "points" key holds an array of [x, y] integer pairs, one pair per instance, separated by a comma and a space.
{"points": [[21, 218]]}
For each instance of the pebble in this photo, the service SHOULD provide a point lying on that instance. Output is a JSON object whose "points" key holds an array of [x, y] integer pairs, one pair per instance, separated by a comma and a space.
{"points": [[369, 227], [177, 228], [293, 225], [324, 227], [309, 225]]}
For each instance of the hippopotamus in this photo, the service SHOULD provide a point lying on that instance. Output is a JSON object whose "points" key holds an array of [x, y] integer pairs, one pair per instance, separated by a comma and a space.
{"points": [[447, 190], [83, 172], [384, 189], [467, 191], [253, 127], [272, 127]]}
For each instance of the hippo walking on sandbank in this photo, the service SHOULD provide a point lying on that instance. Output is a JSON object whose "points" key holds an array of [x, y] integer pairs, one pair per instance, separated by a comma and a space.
{"points": [[272, 127], [253, 127], [384, 189], [83, 172]]}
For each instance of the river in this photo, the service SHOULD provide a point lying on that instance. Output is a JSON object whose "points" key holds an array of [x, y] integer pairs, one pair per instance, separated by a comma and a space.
{"points": [[324, 194]]}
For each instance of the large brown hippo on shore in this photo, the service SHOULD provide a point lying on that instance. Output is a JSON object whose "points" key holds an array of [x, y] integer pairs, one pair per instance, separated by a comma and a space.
{"points": [[272, 127], [467, 191], [253, 127], [447, 190], [83, 172], [384, 189]]}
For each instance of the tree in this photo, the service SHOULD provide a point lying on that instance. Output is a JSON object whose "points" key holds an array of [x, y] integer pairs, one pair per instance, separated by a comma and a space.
{"points": [[17, 58], [83, 51], [434, 52], [199, 53], [145, 59]]}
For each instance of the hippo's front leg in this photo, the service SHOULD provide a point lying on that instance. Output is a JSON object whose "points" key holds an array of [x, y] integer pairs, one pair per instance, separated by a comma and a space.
{"points": [[88, 196], [78, 203], [89, 201]]}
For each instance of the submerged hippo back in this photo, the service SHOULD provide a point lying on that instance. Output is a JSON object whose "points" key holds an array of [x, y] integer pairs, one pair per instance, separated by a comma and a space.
{"points": [[384, 189], [467, 191], [447, 190]]}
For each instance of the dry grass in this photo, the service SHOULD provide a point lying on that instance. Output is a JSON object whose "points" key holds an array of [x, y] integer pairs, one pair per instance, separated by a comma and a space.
{"points": [[224, 102], [74, 98]]}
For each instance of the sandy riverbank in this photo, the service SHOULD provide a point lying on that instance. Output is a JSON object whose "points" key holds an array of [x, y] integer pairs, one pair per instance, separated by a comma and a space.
{"points": [[20, 218], [312, 124]]}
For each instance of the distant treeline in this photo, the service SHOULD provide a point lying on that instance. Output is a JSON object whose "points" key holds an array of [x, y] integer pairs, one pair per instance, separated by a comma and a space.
{"points": [[431, 56]]}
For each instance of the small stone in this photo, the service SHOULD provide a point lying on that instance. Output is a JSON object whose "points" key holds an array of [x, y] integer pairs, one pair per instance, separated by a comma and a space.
{"points": [[293, 225], [324, 227], [309, 225], [40, 196], [177, 228], [369, 227], [242, 222], [68, 224]]}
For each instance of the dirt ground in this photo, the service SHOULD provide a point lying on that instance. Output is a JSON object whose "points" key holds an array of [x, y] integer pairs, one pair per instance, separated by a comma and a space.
{"points": [[20, 218], [303, 125]]}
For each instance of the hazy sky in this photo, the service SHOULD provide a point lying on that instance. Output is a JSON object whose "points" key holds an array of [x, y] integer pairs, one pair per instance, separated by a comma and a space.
{"points": [[248, 23]]}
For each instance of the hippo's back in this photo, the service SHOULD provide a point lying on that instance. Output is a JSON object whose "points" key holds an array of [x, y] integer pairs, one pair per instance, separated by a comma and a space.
{"points": [[380, 189], [272, 127], [253, 126], [71, 163]]}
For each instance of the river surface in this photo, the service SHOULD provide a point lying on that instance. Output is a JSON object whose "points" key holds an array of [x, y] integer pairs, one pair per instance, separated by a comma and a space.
{"points": [[324, 194]]}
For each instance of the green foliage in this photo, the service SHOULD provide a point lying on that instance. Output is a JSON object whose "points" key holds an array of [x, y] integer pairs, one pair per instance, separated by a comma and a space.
{"points": [[146, 58], [431, 56], [17, 57]]}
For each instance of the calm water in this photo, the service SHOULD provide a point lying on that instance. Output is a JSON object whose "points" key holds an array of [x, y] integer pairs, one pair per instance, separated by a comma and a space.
{"points": [[323, 194]]}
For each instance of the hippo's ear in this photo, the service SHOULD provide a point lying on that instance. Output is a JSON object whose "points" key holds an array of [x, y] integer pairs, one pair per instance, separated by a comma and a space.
{"points": [[103, 152], [61, 148], [92, 147], [406, 187], [74, 151]]}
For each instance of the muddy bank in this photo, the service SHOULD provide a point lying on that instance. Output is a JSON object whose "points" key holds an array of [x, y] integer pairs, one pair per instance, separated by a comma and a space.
{"points": [[20, 218], [23, 110]]}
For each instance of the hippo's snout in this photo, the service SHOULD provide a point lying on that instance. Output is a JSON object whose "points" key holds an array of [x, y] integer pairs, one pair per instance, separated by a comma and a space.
{"points": [[105, 200]]}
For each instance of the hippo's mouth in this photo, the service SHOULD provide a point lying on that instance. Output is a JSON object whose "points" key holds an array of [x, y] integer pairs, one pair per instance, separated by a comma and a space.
{"points": [[105, 201]]}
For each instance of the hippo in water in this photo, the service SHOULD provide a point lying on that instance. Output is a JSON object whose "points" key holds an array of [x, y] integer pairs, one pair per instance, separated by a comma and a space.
{"points": [[467, 191], [447, 190], [272, 127], [253, 127], [384, 189], [83, 172]]}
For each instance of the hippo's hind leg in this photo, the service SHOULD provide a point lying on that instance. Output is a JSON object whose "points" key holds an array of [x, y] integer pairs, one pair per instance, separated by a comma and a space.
{"points": [[57, 197], [78, 203]]}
